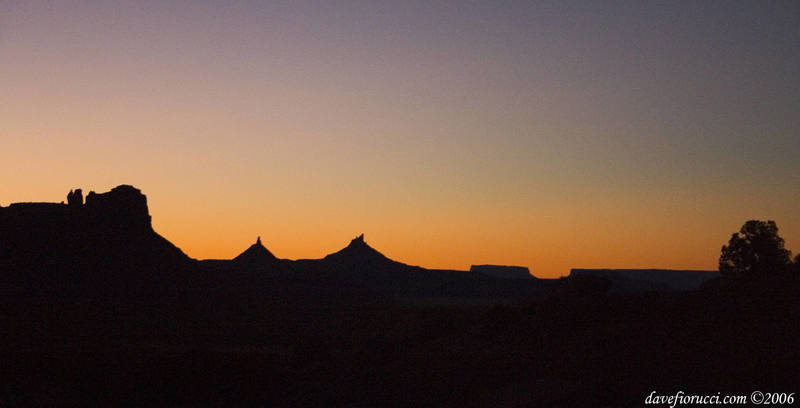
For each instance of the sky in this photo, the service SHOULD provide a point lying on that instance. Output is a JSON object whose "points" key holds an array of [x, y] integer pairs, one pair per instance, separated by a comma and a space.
{"points": [[552, 135]]}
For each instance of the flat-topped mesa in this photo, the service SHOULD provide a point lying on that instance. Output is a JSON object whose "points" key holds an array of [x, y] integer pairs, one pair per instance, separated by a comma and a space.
{"points": [[107, 241], [503, 272], [122, 207]]}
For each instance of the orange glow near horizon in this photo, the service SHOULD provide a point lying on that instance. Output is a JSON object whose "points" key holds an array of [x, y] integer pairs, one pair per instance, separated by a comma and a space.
{"points": [[549, 239], [449, 134]]}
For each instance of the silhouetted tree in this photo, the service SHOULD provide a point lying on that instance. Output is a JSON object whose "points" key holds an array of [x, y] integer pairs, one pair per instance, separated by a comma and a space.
{"points": [[756, 250]]}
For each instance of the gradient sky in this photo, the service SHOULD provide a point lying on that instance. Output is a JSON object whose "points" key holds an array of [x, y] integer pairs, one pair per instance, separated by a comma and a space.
{"points": [[546, 134]]}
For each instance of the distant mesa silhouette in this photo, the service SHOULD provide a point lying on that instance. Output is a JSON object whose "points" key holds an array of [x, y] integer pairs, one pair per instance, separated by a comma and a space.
{"points": [[503, 272], [256, 254]]}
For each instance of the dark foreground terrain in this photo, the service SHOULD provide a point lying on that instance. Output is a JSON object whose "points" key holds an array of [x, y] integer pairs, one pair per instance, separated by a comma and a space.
{"points": [[98, 310], [245, 348]]}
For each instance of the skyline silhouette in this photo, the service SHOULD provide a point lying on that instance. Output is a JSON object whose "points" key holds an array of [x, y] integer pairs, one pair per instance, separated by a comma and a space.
{"points": [[438, 203], [98, 307], [125, 205], [551, 136]]}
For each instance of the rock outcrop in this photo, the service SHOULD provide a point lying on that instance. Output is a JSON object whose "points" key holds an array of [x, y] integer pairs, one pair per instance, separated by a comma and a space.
{"points": [[359, 252], [122, 206], [255, 255], [75, 198], [107, 241]]}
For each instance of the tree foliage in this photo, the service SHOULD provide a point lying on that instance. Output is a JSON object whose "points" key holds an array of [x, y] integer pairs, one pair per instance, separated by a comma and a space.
{"points": [[756, 250]]}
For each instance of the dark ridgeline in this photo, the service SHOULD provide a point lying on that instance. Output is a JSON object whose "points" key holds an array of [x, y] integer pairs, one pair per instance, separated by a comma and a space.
{"points": [[642, 280], [361, 270], [360, 265], [98, 309]]}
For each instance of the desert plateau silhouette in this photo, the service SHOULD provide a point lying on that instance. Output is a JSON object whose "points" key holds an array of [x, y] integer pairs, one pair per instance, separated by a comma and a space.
{"points": [[98, 309]]}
